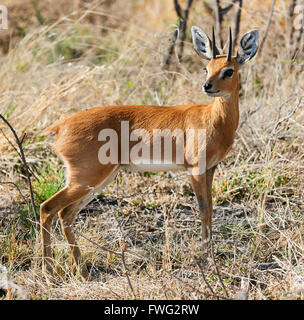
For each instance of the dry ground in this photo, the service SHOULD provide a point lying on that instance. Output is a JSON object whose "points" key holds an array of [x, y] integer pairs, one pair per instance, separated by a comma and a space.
{"points": [[94, 53]]}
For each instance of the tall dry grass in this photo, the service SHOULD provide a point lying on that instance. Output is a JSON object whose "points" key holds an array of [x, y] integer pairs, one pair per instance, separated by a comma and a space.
{"points": [[113, 53]]}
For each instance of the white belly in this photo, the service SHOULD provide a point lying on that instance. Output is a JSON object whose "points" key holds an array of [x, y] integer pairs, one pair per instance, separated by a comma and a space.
{"points": [[150, 166]]}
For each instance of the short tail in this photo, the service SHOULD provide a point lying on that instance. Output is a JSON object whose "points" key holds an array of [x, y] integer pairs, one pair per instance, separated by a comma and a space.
{"points": [[53, 129]]}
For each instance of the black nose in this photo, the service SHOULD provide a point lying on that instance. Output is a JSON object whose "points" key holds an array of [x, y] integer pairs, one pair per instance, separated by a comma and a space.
{"points": [[207, 86]]}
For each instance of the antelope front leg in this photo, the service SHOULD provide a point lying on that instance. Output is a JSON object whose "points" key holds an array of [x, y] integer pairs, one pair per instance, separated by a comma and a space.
{"points": [[202, 186]]}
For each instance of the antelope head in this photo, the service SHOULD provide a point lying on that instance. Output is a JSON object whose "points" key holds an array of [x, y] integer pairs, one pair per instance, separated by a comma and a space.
{"points": [[222, 78]]}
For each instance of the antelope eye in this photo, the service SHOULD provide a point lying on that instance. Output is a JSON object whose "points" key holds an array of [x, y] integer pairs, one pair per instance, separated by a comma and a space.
{"points": [[228, 73], [206, 70]]}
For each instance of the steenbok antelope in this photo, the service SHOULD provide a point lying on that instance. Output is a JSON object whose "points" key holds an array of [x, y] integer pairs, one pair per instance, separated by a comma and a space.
{"points": [[95, 143]]}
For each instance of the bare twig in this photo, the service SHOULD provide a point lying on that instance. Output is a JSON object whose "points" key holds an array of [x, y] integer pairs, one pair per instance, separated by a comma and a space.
{"points": [[237, 24], [290, 114], [204, 277], [180, 31], [185, 283], [219, 16], [183, 29], [126, 269], [218, 272], [219, 20], [173, 44], [27, 172], [173, 275], [15, 149], [16, 186], [208, 8], [299, 39], [292, 4], [124, 246], [103, 248], [249, 114], [9, 142], [268, 25]]}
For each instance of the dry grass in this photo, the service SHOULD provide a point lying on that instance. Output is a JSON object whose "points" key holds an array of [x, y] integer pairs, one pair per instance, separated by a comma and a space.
{"points": [[113, 54]]}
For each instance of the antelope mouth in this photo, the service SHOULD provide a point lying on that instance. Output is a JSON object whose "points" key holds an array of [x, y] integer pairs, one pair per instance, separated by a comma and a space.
{"points": [[212, 93]]}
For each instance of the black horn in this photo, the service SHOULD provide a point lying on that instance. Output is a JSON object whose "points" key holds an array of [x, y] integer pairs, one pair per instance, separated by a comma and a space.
{"points": [[229, 46], [213, 44]]}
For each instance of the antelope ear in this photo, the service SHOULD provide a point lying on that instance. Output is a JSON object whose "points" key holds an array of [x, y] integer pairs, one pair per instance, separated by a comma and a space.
{"points": [[249, 47], [202, 43]]}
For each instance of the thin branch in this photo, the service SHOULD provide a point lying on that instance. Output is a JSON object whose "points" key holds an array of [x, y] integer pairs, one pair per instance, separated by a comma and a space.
{"points": [[204, 277], [23, 137], [16, 186], [299, 39], [18, 153], [219, 17], [178, 9], [290, 16], [249, 114], [173, 43], [208, 8], [218, 272], [126, 269], [290, 114], [179, 32], [183, 29], [103, 248], [177, 278], [219, 20], [268, 25], [237, 23], [9, 142], [124, 246], [22, 156], [227, 9]]}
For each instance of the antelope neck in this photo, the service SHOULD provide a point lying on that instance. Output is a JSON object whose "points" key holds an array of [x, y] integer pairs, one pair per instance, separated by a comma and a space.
{"points": [[226, 110]]}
